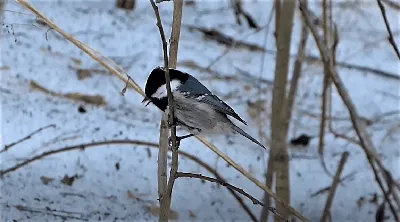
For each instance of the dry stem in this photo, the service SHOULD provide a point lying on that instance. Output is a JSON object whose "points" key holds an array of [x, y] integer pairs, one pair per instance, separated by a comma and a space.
{"points": [[335, 183], [85, 146], [165, 199], [390, 38], [223, 183], [7, 147], [359, 127]]}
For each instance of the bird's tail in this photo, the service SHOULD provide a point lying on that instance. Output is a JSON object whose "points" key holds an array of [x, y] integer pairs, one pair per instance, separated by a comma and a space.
{"points": [[237, 129]]}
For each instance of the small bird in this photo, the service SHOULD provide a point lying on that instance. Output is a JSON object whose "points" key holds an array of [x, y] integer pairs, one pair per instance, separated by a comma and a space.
{"points": [[196, 108]]}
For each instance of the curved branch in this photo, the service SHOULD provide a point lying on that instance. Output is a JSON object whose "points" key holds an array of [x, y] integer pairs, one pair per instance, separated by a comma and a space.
{"points": [[130, 142]]}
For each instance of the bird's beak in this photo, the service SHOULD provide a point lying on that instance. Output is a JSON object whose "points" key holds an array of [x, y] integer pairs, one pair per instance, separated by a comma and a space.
{"points": [[146, 100]]}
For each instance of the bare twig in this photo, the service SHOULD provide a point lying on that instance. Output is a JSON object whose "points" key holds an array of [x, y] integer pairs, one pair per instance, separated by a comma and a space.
{"points": [[326, 189], [7, 147], [66, 149], [165, 200], [358, 125], [225, 184], [219, 177], [252, 178], [327, 30], [85, 146], [392, 4], [238, 9], [269, 175], [335, 183], [390, 37]]}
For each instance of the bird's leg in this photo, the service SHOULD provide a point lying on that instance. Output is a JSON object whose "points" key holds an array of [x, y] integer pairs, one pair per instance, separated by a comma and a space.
{"points": [[179, 138], [174, 122]]}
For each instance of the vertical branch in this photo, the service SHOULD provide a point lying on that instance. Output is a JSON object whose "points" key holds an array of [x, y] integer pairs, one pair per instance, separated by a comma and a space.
{"points": [[269, 175], [325, 85], [290, 101], [390, 37], [297, 70], [162, 169], [277, 5], [278, 128], [165, 198], [175, 33], [365, 141], [174, 41]]}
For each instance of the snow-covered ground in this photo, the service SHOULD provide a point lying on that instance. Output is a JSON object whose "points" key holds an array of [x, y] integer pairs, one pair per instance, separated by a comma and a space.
{"points": [[103, 191]]}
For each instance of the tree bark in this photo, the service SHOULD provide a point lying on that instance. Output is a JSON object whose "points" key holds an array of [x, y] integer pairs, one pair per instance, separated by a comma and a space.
{"points": [[279, 127]]}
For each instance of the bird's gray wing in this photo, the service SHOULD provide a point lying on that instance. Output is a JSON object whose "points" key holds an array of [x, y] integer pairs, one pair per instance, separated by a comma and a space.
{"points": [[198, 91], [219, 105], [194, 87]]}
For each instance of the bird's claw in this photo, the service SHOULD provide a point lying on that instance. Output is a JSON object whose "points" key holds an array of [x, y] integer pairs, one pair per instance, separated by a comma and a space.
{"points": [[171, 124], [178, 142]]}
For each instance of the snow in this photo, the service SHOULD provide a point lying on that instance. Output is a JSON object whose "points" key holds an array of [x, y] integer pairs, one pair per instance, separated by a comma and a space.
{"points": [[132, 40]]}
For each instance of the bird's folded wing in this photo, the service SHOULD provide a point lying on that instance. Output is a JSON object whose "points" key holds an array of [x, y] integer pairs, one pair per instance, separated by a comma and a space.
{"points": [[220, 106]]}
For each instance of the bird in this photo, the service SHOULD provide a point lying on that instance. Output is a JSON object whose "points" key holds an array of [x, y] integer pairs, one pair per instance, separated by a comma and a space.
{"points": [[196, 108]]}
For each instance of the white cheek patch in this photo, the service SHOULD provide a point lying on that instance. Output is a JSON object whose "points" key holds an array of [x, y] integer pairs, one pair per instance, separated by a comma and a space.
{"points": [[162, 90]]}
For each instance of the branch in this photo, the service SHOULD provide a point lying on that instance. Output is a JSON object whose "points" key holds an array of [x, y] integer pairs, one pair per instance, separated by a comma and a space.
{"points": [[390, 37], [85, 146], [69, 148], [7, 147], [165, 199], [252, 178], [335, 183], [162, 163], [225, 184], [359, 127]]}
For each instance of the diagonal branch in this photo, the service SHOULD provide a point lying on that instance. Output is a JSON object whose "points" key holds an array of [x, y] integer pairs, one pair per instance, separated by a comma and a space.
{"points": [[332, 190], [7, 147], [229, 186], [140, 143], [390, 37], [359, 126], [223, 183]]}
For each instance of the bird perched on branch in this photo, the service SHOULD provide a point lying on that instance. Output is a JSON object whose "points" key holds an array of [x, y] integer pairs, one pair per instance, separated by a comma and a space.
{"points": [[196, 108]]}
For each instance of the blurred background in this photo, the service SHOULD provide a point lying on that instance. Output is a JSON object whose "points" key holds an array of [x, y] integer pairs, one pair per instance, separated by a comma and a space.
{"points": [[54, 96]]}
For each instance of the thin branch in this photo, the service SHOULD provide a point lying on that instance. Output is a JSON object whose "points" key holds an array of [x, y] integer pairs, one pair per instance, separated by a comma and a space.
{"points": [[326, 189], [165, 200], [85, 146], [389, 30], [327, 27], [69, 148], [225, 184], [219, 177], [253, 179], [269, 175], [335, 183], [7, 147], [358, 125]]}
